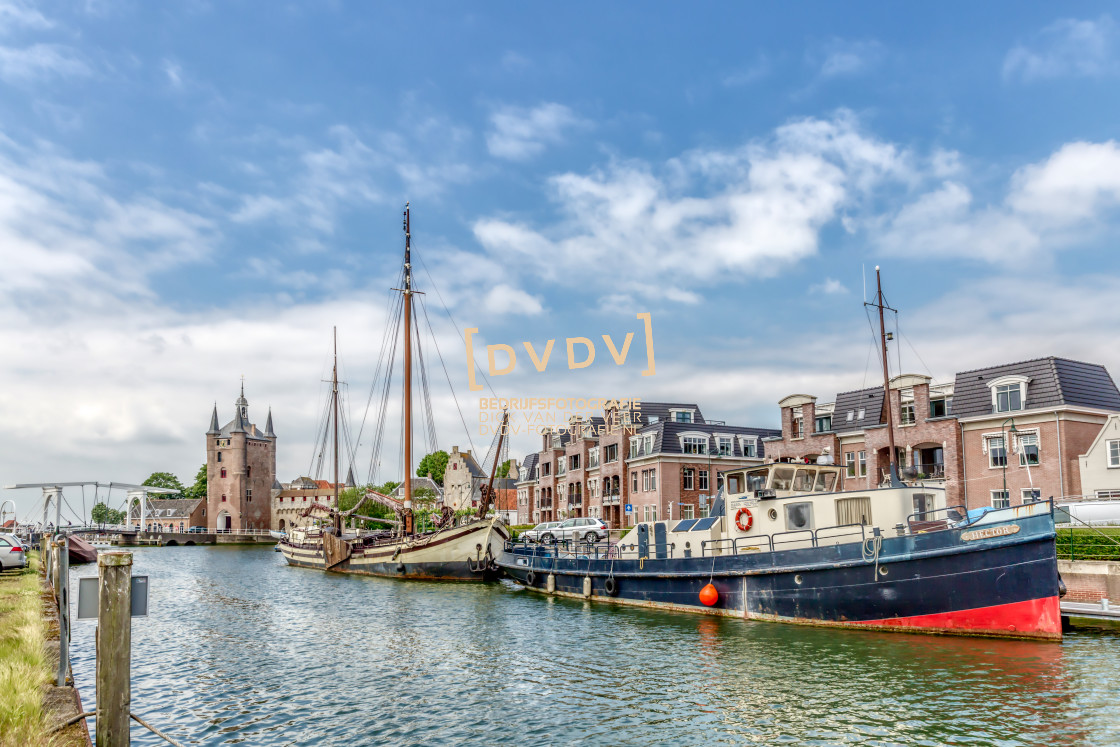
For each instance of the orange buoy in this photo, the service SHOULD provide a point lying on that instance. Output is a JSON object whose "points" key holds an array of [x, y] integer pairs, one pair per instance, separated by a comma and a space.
{"points": [[709, 596]]}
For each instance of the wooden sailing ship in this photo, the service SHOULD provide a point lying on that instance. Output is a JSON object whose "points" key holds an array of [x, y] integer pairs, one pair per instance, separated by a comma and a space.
{"points": [[457, 548]]}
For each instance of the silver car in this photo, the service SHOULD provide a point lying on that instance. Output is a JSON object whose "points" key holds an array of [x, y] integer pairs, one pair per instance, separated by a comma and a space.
{"points": [[12, 553], [579, 530], [536, 533]]}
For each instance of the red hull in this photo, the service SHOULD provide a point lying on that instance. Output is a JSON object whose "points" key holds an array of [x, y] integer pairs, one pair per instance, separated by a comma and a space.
{"points": [[1035, 618]]}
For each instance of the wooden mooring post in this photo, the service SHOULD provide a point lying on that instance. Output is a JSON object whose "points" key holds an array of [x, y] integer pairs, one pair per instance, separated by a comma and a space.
{"points": [[114, 648], [62, 594]]}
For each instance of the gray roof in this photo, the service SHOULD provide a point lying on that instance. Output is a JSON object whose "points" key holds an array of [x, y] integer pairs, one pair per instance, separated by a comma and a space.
{"points": [[660, 410], [869, 400], [237, 425], [530, 460], [167, 508], [214, 428], [268, 432], [1053, 382], [421, 482], [667, 441]]}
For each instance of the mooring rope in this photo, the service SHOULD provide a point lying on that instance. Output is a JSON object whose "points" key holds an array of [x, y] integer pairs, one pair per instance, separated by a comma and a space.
{"points": [[870, 551], [137, 719]]}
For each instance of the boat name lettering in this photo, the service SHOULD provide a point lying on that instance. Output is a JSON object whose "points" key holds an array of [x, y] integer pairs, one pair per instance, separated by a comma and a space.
{"points": [[988, 533]]}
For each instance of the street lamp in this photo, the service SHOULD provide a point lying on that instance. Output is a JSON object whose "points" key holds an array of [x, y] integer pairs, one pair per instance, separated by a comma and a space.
{"points": [[1006, 453]]}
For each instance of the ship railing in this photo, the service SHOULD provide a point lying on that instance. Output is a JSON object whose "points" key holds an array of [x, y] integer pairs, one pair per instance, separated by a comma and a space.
{"points": [[858, 533], [937, 519], [793, 537]]}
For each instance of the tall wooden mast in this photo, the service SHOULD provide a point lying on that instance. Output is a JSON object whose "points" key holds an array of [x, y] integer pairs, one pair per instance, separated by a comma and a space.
{"points": [[406, 525], [895, 482], [334, 405]]}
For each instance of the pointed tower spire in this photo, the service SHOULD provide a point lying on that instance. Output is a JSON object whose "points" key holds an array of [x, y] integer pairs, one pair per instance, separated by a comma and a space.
{"points": [[268, 426], [241, 412], [215, 429], [350, 478]]}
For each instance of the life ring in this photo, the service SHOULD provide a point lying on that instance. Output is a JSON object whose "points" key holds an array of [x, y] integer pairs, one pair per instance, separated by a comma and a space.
{"points": [[531, 578], [611, 586], [739, 519]]}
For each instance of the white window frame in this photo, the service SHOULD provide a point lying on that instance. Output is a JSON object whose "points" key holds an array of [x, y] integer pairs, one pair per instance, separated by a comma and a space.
{"points": [[850, 464], [673, 414], [749, 447], [1003, 495], [862, 461], [1009, 381], [702, 479], [1022, 447], [1112, 453], [688, 479], [695, 436], [687, 511], [1027, 495], [989, 449], [862, 413]]}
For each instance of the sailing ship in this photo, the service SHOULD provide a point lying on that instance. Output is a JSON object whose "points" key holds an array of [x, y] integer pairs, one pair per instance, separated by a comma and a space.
{"points": [[782, 544], [457, 548]]}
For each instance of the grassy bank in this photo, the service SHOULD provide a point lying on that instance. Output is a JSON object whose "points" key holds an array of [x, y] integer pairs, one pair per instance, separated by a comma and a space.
{"points": [[1085, 543], [23, 664]]}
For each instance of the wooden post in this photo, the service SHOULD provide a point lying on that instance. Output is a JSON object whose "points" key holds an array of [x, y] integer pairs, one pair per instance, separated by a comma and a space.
{"points": [[114, 648], [63, 546]]}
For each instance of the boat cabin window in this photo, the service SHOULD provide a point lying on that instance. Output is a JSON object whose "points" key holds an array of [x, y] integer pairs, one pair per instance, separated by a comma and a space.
{"points": [[825, 481], [783, 478], [799, 516], [756, 480], [735, 483], [803, 481]]}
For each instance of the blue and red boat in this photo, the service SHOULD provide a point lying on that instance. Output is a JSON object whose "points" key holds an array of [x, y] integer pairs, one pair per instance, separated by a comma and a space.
{"points": [[895, 558]]}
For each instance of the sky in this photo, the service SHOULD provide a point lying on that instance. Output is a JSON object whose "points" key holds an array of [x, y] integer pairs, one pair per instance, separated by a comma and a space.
{"points": [[196, 192]]}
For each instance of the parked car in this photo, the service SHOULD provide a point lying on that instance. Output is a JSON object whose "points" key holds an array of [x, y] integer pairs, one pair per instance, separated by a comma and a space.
{"points": [[12, 552], [580, 530], [534, 534], [196, 530]]}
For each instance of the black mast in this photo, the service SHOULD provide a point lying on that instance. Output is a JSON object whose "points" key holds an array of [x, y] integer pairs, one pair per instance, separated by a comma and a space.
{"points": [[881, 304]]}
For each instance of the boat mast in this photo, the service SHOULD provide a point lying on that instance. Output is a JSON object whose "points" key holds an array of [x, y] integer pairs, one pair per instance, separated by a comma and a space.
{"points": [[895, 482], [484, 506], [334, 404], [406, 524]]}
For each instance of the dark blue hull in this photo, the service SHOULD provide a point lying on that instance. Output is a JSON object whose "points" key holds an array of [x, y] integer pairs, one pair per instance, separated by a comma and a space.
{"points": [[1003, 585]]}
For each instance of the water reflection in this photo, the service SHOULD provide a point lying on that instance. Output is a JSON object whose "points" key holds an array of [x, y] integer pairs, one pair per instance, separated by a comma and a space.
{"points": [[242, 649]]}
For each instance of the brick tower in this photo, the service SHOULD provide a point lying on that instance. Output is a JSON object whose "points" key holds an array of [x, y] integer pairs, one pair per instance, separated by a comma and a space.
{"points": [[240, 471]]}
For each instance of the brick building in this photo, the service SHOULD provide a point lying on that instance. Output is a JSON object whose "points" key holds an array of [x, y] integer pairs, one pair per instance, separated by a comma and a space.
{"points": [[169, 514], [240, 471], [1022, 425], [662, 460], [292, 499]]}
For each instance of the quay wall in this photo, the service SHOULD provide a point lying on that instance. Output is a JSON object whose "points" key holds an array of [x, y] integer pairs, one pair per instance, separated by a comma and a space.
{"points": [[1090, 580]]}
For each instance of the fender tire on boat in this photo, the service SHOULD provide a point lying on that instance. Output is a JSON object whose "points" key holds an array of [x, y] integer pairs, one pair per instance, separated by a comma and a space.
{"points": [[531, 578], [611, 586]]}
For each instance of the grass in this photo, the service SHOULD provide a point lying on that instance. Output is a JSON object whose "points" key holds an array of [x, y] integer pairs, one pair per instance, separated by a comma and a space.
{"points": [[24, 669]]}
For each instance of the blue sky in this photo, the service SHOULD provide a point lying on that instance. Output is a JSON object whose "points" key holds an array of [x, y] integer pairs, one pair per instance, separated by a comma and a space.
{"points": [[191, 192]]}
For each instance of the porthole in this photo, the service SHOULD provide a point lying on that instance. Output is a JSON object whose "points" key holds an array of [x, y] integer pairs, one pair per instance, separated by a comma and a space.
{"points": [[772, 514], [882, 570], [688, 545], [797, 579]]}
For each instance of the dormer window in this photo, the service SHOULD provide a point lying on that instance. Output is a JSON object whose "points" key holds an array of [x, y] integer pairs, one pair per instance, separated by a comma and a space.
{"points": [[797, 423], [749, 447], [1009, 393], [681, 416]]}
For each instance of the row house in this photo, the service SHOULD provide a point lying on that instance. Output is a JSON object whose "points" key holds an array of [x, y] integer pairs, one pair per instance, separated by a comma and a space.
{"points": [[663, 461], [997, 436], [1099, 466]]}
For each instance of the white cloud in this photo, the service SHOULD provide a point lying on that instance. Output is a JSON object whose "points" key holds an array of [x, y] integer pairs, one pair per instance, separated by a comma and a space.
{"points": [[504, 299], [21, 15], [519, 133], [755, 208], [846, 57], [1067, 48], [174, 73], [39, 61], [1049, 205], [830, 286]]}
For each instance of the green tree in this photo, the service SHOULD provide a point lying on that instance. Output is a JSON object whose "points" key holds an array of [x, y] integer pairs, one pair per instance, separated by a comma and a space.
{"points": [[198, 490], [503, 469], [116, 517], [434, 464], [349, 498], [164, 480], [101, 513]]}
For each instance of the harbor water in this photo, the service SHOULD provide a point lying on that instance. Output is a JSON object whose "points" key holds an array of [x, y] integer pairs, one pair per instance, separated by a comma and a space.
{"points": [[241, 649]]}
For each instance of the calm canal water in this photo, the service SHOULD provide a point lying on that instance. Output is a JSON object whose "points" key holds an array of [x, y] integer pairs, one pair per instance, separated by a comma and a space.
{"points": [[240, 648]]}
